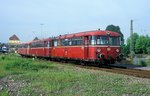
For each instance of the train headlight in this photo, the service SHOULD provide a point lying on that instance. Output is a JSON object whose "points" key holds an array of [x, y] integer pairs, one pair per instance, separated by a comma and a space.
{"points": [[100, 56], [108, 49], [99, 50], [117, 50]]}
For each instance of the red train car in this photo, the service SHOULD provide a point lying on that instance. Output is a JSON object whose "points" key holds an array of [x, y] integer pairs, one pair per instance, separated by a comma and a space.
{"points": [[92, 46], [23, 49], [38, 48]]}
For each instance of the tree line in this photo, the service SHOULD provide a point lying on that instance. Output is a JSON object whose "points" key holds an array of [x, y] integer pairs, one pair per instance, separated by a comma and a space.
{"points": [[141, 43]]}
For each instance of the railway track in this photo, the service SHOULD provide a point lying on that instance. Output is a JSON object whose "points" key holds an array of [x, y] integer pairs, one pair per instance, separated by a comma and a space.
{"points": [[125, 71], [131, 72], [119, 70]]}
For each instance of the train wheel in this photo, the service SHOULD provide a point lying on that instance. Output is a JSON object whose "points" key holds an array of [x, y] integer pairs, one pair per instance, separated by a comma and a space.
{"points": [[112, 61], [66, 61], [102, 63], [82, 63]]}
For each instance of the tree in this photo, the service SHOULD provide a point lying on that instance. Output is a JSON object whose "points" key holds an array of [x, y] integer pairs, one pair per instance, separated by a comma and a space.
{"points": [[141, 44], [147, 44], [115, 29], [135, 36], [125, 50], [148, 50]]}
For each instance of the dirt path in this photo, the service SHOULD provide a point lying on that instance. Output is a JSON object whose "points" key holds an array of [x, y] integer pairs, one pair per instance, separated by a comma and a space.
{"points": [[11, 85]]}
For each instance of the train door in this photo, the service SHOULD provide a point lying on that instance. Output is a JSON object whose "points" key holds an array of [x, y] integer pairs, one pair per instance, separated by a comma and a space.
{"points": [[28, 49], [86, 47], [48, 48]]}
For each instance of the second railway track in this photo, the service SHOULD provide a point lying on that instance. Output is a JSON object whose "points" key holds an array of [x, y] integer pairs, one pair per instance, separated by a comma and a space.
{"points": [[130, 72], [126, 71]]}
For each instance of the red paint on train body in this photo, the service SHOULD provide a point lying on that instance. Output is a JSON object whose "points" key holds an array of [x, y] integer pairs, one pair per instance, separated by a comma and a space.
{"points": [[92, 46]]}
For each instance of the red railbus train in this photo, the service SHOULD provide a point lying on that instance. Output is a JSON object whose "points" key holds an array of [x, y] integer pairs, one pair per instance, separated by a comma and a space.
{"points": [[99, 47]]}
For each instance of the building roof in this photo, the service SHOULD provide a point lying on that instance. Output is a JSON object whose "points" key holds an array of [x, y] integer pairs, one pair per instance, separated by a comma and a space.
{"points": [[14, 37], [36, 38]]}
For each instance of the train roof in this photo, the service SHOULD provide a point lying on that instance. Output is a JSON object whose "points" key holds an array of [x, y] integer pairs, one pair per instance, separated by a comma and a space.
{"points": [[24, 43], [46, 39], [88, 33]]}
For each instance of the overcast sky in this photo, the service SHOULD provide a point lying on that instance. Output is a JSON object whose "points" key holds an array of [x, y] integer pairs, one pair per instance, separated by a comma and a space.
{"points": [[23, 17]]}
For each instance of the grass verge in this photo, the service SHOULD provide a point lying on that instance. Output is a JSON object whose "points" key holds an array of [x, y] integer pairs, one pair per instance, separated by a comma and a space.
{"points": [[54, 79], [4, 93]]}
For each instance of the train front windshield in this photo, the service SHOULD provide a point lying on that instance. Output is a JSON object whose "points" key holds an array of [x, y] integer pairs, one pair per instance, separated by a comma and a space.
{"points": [[105, 40], [114, 41]]}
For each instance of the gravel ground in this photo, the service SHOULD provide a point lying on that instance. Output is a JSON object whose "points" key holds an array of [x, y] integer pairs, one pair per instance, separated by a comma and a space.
{"points": [[11, 85]]}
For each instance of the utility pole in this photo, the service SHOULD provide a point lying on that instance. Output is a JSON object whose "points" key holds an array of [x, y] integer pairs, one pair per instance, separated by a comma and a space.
{"points": [[131, 41]]}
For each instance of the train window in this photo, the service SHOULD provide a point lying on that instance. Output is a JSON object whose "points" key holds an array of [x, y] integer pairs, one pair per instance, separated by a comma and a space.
{"points": [[70, 42], [48, 44], [20, 46], [25, 46], [59, 42], [55, 43], [77, 41], [102, 40], [99, 40], [66, 42], [28, 46], [93, 40], [114, 41], [37, 44], [40, 44], [33, 44], [62, 42]]}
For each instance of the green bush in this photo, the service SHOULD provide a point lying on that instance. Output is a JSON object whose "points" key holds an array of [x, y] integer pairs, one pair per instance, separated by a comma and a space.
{"points": [[3, 57], [143, 63], [148, 50]]}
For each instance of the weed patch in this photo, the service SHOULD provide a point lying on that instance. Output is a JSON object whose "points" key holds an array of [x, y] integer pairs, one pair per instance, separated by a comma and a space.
{"points": [[25, 65], [143, 63], [4, 93]]}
